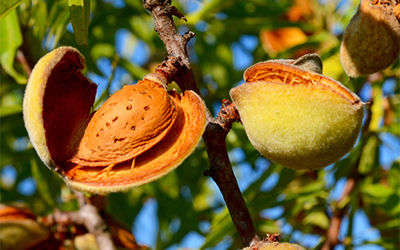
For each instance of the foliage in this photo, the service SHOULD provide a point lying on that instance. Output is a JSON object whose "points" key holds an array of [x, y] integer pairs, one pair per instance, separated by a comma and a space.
{"points": [[122, 47]]}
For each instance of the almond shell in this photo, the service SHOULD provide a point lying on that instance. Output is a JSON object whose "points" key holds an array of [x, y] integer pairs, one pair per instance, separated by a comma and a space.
{"points": [[139, 134]]}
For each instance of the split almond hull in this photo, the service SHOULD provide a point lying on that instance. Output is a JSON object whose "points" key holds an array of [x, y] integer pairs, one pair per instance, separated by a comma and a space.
{"points": [[58, 100]]}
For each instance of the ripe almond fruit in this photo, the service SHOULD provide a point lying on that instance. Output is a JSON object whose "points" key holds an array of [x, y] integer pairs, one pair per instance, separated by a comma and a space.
{"points": [[371, 41], [138, 135], [294, 115]]}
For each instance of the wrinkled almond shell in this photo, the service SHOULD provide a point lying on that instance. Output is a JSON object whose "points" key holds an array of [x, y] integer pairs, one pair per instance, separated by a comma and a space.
{"points": [[129, 123], [154, 163]]}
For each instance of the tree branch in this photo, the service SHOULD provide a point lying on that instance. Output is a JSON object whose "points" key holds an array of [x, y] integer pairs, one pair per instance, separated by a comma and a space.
{"points": [[217, 128], [222, 174], [332, 235], [162, 12], [24, 63], [89, 216]]}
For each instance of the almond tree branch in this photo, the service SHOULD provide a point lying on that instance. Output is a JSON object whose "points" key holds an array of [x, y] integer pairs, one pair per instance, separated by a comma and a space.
{"points": [[162, 12], [217, 128], [24, 63], [332, 235], [222, 174], [86, 216], [89, 216]]}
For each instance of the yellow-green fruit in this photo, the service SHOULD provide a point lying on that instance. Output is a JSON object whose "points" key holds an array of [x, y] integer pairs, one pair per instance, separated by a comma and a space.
{"points": [[275, 246], [297, 118], [371, 41]]}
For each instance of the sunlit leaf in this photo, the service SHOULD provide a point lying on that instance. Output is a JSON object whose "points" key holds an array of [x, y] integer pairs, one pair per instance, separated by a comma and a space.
{"points": [[376, 109], [80, 17], [48, 184], [221, 226], [317, 218], [10, 110], [377, 191], [369, 156], [10, 40], [8, 5], [58, 18]]}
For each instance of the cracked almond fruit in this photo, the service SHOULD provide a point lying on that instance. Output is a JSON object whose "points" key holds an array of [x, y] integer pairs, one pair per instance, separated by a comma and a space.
{"points": [[294, 115], [138, 135], [371, 41]]}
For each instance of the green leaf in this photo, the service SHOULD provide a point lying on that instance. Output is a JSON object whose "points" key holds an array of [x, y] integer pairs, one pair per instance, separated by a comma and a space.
{"points": [[102, 50], [39, 17], [377, 191], [10, 110], [142, 28], [369, 156], [47, 183], [8, 5], [58, 19], [221, 226], [133, 69], [10, 40], [317, 218], [376, 109], [80, 18]]}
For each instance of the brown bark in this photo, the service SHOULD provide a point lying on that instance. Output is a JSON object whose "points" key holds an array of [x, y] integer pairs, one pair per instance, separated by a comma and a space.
{"points": [[332, 235], [89, 216], [217, 128]]}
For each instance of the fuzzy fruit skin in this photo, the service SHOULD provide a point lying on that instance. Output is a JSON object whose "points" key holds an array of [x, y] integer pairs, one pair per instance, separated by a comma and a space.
{"points": [[55, 143], [297, 118], [371, 41]]}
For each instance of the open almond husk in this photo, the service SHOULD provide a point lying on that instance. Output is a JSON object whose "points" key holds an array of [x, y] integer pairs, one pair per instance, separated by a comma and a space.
{"points": [[294, 115], [19, 228], [138, 135]]}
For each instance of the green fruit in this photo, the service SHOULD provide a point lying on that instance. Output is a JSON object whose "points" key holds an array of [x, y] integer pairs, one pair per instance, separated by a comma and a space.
{"points": [[371, 41], [296, 117]]}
